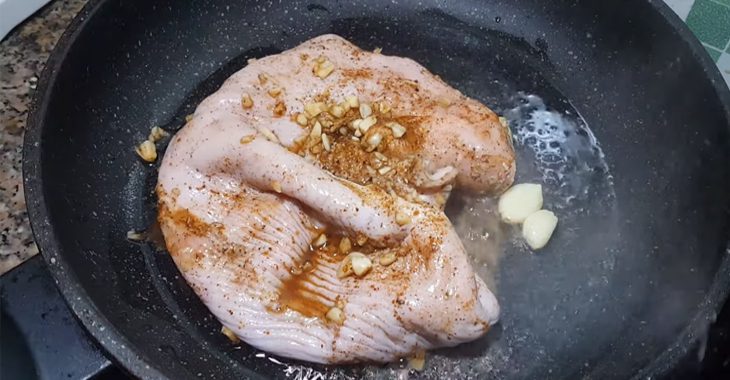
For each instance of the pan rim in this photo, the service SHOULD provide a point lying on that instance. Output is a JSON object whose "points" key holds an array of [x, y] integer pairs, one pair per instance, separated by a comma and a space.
{"points": [[123, 352]]}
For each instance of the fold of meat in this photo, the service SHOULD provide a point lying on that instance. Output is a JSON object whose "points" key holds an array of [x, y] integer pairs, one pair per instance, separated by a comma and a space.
{"points": [[239, 212]]}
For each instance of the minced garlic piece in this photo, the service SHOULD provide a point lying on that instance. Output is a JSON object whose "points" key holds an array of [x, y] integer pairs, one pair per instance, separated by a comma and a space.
{"points": [[402, 218], [135, 236], [320, 240], [398, 130], [246, 101], [365, 110], [323, 67], [247, 139], [147, 151], [314, 109], [387, 259], [384, 170], [361, 264], [366, 123], [276, 186], [316, 132], [355, 263], [326, 142], [157, 134], [345, 245], [337, 111], [269, 135], [336, 315], [279, 109], [417, 361], [352, 101], [302, 119], [230, 335], [373, 141], [263, 78], [274, 92]]}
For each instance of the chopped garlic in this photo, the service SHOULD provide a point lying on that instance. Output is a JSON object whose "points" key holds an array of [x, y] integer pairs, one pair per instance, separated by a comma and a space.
{"points": [[519, 202], [302, 119], [314, 109], [402, 218], [147, 151], [352, 101], [323, 67], [366, 123], [135, 236], [355, 263], [326, 142], [384, 107], [417, 361], [365, 110], [274, 92], [336, 315], [320, 240], [276, 186], [373, 141], [361, 264], [316, 132], [246, 101], [538, 228], [263, 78], [384, 170], [247, 139], [230, 335], [269, 135], [398, 130], [387, 259], [157, 134], [279, 108], [345, 245], [337, 111]]}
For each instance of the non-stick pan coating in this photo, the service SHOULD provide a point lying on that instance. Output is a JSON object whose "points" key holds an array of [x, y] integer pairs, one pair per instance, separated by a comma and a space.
{"points": [[628, 286]]}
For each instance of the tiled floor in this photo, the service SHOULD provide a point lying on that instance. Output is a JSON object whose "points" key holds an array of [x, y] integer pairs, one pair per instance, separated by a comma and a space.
{"points": [[710, 21]]}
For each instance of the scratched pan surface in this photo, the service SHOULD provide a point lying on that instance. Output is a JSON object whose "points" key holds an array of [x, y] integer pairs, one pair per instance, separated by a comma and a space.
{"points": [[614, 107]]}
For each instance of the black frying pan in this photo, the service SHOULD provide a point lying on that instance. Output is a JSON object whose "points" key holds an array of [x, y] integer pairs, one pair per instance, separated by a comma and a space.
{"points": [[627, 287]]}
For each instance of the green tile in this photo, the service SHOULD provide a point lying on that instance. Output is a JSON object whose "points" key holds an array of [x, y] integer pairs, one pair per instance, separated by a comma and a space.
{"points": [[714, 53], [726, 2], [728, 49], [710, 21]]}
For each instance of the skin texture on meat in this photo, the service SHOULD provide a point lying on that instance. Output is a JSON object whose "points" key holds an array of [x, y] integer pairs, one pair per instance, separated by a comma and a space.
{"points": [[239, 208]]}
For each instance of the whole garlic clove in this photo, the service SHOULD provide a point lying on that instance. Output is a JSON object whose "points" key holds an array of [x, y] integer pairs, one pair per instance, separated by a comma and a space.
{"points": [[538, 228], [521, 200]]}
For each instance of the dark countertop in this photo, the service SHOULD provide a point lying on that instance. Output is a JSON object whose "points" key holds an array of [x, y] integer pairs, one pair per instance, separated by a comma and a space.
{"points": [[23, 53]]}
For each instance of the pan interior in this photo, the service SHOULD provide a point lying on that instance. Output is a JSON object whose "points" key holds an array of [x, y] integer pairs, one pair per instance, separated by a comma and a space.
{"points": [[642, 213]]}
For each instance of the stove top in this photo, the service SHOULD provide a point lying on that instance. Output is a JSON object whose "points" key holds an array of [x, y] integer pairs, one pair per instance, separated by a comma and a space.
{"points": [[41, 338]]}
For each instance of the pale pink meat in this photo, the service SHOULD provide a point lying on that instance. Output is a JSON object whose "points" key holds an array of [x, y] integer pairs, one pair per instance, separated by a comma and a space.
{"points": [[239, 210]]}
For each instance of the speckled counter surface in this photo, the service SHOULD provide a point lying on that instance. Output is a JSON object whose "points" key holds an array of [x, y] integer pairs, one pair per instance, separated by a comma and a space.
{"points": [[22, 56]]}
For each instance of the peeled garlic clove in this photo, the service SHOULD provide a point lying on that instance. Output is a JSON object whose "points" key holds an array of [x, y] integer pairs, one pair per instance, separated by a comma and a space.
{"points": [[521, 200], [538, 228]]}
